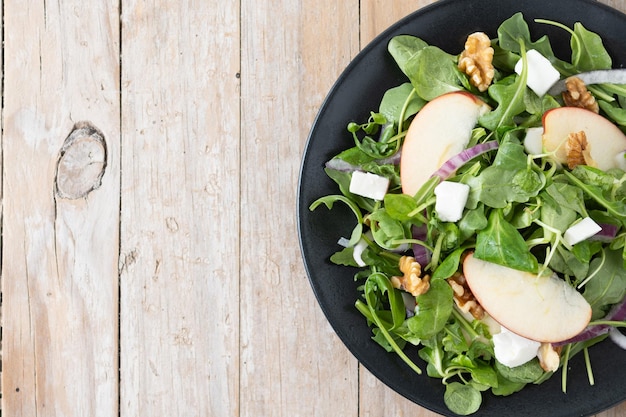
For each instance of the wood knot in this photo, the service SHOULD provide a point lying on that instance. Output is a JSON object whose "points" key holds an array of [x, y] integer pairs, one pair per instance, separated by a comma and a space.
{"points": [[82, 162]]}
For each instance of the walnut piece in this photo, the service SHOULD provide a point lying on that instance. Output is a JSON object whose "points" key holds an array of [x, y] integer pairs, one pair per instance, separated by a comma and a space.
{"points": [[549, 357], [476, 60], [578, 151], [411, 281], [463, 297], [577, 95]]}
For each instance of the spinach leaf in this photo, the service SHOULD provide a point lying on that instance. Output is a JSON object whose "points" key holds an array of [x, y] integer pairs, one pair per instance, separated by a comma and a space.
{"points": [[435, 308], [507, 180], [400, 101], [462, 399], [608, 284], [403, 49], [528, 372], [449, 266], [400, 206], [502, 244], [433, 72]]}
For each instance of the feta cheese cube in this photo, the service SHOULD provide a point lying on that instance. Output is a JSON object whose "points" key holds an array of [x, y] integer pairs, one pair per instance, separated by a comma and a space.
{"points": [[512, 349], [533, 141], [369, 185], [580, 231], [450, 200], [541, 74]]}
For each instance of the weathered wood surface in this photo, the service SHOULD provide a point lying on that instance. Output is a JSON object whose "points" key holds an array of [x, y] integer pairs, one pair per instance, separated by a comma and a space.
{"points": [[149, 261]]}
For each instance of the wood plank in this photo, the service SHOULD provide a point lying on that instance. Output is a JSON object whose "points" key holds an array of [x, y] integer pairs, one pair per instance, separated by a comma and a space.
{"points": [[180, 190], [292, 363], [60, 248]]}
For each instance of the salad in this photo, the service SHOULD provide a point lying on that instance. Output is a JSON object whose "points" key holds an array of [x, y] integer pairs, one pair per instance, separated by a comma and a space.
{"points": [[490, 209]]}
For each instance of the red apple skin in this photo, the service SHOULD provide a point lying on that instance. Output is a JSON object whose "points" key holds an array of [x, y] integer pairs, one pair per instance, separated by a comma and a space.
{"points": [[439, 131], [544, 309], [605, 140]]}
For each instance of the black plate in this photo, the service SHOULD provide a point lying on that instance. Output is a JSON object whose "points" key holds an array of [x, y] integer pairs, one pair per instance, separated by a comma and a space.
{"points": [[359, 90]]}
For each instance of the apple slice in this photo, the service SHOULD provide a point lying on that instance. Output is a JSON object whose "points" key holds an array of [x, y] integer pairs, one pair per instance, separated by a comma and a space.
{"points": [[544, 309], [605, 141], [439, 131]]}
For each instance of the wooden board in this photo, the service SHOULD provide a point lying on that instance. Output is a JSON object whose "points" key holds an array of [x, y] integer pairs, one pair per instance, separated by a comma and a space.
{"points": [[60, 247], [179, 269], [172, 284]]}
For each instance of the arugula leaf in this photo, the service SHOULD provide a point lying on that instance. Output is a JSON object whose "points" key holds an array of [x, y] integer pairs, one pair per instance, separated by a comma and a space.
{"points": [[515, 30]]}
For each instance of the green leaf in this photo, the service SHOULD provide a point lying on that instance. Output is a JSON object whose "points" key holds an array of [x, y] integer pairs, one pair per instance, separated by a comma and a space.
{"points": [[588, 52], [435, 308], [608, 285], [462, 399], [514, 30], [528, 372], [400, 98], [330, 200], [502, 244], [449, 266], [433, 73], [403, 48], [400, 206]]}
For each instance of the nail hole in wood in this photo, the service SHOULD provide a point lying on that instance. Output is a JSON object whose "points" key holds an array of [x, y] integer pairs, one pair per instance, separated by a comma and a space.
{"points": [[82, 162]]}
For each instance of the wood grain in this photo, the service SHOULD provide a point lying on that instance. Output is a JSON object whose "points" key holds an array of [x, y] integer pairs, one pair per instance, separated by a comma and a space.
{"points": [[292, 363], [59, 263], [173, 284], [179, 330]]}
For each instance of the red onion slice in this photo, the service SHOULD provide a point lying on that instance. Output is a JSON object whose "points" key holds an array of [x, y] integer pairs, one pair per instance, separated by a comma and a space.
{"points": [[451, 165]]}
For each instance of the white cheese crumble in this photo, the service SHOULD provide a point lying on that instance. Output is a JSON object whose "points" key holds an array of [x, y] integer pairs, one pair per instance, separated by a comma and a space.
{"points": [[450, 200], [541, 74], [512, 349], [580, 231], [369, 185], [533, 141]]}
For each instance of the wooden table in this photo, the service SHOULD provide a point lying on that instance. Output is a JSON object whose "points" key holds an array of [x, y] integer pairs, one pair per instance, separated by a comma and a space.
{"points": [[150, 263]]}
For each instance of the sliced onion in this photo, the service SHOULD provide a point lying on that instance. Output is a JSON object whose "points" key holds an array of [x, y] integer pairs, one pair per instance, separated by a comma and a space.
{"points": [[618, 337], [617, 313], [607, 234], [451, 165], [589, 333], [391, 160], [339, 164], [421, 254]]}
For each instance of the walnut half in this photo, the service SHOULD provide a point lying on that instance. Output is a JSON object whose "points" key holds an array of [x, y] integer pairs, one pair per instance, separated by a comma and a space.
{"points": [[463, 297], [577, 95], [411, 281], [476, 60], [549, 357], [578, 151]]}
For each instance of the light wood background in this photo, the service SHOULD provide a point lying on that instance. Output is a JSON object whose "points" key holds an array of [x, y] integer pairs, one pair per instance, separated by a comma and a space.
{"points": [[174, 286]]}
